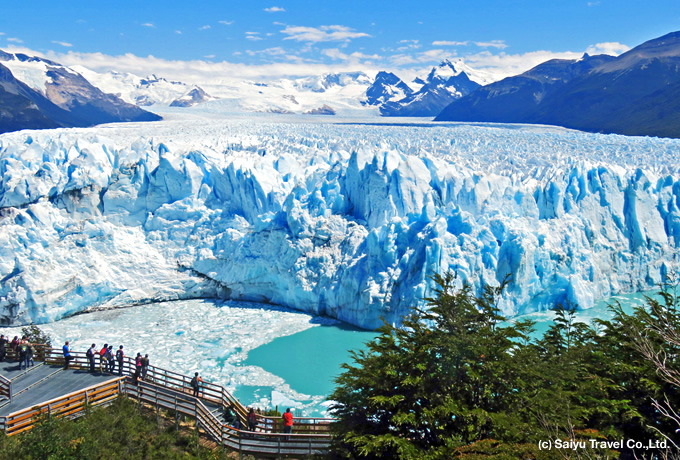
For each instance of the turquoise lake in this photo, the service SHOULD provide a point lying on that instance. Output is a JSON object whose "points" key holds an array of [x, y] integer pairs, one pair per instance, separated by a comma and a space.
{"points": [[310, 360]]}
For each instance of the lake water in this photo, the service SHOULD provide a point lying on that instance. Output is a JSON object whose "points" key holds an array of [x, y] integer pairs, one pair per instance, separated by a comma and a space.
{"points": [[265, 356]]}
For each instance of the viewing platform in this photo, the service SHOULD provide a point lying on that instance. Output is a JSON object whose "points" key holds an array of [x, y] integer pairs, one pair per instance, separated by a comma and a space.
{"points": [[47, 389]]}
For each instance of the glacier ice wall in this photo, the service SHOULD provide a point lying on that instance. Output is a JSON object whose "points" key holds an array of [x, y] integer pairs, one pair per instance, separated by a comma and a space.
{"points": [[348, 221]]}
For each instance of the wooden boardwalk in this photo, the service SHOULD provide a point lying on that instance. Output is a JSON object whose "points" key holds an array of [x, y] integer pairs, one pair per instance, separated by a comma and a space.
{"points": [[48, 389]]}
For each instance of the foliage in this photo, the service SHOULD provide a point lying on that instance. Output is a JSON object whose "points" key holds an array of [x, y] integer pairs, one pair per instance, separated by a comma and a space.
{"points": [[117, 432], [454, 376], [36, 335]]}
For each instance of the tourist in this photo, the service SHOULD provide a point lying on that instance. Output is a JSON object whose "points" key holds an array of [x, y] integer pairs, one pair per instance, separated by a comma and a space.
{"points": [[90, 356], [196, 384], [14, 344], [119, 357], [287, 423], [145, 366], [103, 359], [109, 357], [67, 354], [30, 354], [138, 367], [3, 345], [23, 354], [252, 420]]}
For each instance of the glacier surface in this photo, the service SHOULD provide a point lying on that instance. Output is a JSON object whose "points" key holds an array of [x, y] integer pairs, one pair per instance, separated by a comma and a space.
{"points": [[344, 220]]}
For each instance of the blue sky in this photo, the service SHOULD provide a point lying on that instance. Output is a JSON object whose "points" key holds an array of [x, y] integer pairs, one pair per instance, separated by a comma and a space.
{"points": [[299, 37]]}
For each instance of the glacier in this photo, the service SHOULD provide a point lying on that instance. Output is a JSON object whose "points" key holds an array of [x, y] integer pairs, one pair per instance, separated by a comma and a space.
{"points": [[347, 220]]}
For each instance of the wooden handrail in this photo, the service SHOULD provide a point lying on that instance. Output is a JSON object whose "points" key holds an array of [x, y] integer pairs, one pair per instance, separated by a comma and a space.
{"points": [[171, 390]]}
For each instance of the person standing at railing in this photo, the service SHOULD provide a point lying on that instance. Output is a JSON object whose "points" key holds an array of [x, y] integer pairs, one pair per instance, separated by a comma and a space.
{"points": [[67, 354], [145, 366], [103, 359], [3, 345], [252, 420], [90, 356], [138, 367], [23, 354], [196, 384], [287, 423], [29, 358], [14, 345], [119, 357], [109, 357]]}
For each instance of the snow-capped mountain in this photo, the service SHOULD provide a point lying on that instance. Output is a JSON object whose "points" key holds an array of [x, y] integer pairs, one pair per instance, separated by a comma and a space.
{"points": [[348, 221], [79, 103], [385, 88], [322, 83], [442, 85], [342, 93], [636, 93], [151, 90]]}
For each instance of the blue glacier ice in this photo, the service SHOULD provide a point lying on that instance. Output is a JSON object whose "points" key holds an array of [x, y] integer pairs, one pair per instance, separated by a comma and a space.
{"points": [[344, 220]]}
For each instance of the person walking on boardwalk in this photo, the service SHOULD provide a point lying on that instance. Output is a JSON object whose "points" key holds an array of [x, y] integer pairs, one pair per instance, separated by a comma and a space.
{"points": [[103, 359], [109, 357], [3, 347], [196, 384], [145, 366], [252, 420], [287, 423], [67, 354], [119, 357], [90, 356]]}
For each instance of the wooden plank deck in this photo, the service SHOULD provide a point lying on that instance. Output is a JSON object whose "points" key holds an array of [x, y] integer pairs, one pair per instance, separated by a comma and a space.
{"points": [[59, 384]]}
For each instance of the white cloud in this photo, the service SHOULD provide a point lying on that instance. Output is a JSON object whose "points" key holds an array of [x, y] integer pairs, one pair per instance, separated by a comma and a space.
{"points": [[321, 33], [226, 23], [275, 9], [178, 32], [205, 27], [2, 33], [254, 36], [276, 51], [14, 40], [209, 56], [593, 3], [449, 43], [491, 44], [198, 71], [68, 45], [148, 24], [335, 53], [612, 48]]}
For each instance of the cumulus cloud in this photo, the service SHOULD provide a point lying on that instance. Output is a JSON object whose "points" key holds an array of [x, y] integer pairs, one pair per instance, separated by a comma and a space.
{"points": [[14, 40], [148, 24], [67, 45], [321, 34], [612, 48], [275, 9], [205, 27], [226, 23], [209, 56], [178, 32], [449, 43]]}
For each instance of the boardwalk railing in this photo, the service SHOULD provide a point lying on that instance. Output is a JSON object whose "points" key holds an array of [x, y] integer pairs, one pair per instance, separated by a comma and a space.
{"points": [[300, 442], [170, 390], [5, 387], [70, 405]]}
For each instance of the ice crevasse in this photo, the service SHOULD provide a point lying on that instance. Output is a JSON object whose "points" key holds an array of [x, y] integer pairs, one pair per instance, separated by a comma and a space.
{"points": [[348, 221]]}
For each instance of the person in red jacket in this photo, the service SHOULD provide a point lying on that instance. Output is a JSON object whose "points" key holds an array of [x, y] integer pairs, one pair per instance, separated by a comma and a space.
{"points": [[287, 423]]}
